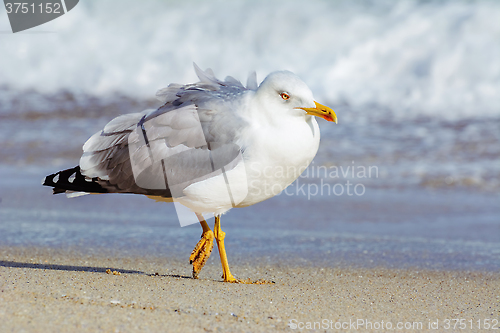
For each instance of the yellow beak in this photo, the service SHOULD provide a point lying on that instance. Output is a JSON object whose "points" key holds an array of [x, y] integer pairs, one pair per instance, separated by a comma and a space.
{"points": [[321, 111]]}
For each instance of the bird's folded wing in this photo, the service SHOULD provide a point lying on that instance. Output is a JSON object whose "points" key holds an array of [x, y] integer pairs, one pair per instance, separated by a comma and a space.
{"points": [[189, 138]]}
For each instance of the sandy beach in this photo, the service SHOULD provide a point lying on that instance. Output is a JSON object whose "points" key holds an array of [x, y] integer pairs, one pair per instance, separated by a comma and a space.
{"points": [[44, 290]]}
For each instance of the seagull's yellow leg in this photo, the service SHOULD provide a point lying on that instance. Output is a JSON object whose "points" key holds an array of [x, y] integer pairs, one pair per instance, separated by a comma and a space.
{"points": [[219, 237], [203, 249]]}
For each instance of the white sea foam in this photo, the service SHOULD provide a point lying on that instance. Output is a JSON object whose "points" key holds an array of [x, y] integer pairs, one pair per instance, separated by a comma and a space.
{"points": [[433, 58]]}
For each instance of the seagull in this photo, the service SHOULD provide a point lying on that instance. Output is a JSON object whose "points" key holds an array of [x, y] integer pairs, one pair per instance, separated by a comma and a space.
{"points": [[213, 145]]}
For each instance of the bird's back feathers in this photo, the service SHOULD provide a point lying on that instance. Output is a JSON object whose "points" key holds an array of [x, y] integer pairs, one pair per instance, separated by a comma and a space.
{"points": [[193, 116]]}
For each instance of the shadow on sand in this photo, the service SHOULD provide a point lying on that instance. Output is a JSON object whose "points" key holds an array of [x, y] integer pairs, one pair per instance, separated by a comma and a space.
{"points": [[106, 270], [66, 267]]}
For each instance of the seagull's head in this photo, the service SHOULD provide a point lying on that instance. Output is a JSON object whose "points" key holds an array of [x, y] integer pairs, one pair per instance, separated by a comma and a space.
{"points": [[285, 93]]}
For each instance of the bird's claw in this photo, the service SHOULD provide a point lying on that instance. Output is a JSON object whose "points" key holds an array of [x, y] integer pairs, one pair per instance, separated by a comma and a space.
{"points": [[201, 252]]}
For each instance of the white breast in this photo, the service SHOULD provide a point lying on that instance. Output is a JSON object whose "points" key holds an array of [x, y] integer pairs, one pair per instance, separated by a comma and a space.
{"points": [[277, 157]]}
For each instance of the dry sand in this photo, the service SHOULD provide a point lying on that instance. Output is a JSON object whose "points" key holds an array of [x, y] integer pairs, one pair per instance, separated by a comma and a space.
{"points": [[47, 290]]}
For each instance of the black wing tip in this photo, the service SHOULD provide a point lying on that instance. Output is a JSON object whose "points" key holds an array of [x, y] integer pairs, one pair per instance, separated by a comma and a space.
{"points": [[72, 180]]}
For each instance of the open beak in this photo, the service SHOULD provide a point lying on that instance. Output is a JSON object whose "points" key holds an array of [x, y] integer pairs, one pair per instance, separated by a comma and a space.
{"points": [[321, 111]]}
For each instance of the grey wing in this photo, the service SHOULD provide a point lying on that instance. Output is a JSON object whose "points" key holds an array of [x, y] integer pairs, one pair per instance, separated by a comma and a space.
{"points": [[149, 152], [106, 157]]}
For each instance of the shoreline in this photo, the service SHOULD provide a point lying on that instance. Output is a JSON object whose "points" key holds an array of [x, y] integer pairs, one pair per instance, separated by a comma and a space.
{"points": [[46, 288]]}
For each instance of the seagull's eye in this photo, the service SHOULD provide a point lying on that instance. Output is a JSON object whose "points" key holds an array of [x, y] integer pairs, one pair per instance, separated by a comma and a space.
{"points": [[285, 96]]}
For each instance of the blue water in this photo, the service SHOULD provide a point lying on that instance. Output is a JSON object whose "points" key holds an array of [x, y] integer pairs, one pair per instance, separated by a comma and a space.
{"points": [[398, 229]]}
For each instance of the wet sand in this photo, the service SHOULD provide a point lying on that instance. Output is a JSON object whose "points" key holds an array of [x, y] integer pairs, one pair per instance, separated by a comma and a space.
{"points": [[47, 290]]}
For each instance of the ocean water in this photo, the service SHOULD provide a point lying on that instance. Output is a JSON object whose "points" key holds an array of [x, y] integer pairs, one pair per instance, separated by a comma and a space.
{"points": [[415, 85], [417, 228]]}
